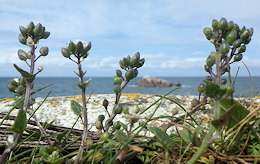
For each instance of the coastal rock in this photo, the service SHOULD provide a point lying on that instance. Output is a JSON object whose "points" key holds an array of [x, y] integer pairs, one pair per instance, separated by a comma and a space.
{"points": [[150, 81]]}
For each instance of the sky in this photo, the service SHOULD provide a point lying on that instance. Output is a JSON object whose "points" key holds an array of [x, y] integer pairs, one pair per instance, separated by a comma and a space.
{"points": [[167, 33]]}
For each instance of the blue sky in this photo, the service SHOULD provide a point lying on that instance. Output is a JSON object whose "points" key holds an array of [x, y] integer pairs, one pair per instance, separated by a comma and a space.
{"points": [[167, 33]]}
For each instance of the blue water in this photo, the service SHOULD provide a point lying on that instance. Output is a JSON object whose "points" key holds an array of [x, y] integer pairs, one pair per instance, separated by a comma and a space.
{"points": [[104, 85]]}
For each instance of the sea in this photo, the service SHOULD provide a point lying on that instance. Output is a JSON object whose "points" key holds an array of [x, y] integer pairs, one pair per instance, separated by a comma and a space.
{"points": [[67, 86]]}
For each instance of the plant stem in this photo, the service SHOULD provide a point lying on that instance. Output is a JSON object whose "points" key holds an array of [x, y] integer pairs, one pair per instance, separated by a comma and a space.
{"points": [[85, 115]]}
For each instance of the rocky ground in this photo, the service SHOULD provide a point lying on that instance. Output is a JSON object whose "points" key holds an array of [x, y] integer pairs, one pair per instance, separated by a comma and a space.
{"points": [[58, 110]]}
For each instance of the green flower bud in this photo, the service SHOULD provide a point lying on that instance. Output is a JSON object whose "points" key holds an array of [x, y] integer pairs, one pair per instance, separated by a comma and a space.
{"points": [[237, 43], [14, 82], [44, 51], [207, 31], [122, 64], [11, 87], [37, 29], [29, 55], [135, 73], [22, 39], [71, 47], [23, 31], [79, 47], [30, 27], [101, 117], [201, 88], [87, 46], [238, 57], [224, 48], [117, 125], [46, 34], [117, 80], [118, 73], [241, 49], [127, 61], [105, 103], [195, 102], [213, 55], [251, 31], [214, 37], [207, 68], [236, 27], [125, 109], [118, 108], [244, 35], [22, 81], [230, 89], [65, 52], [210, 61], [105, 136], [223, 81], [130, 74], [231, 36], [98, 125], [230, 26], [215, 24], [222, 25], [22, 55], [248, 40], [117, 89], [20, 90], [140, 63]]}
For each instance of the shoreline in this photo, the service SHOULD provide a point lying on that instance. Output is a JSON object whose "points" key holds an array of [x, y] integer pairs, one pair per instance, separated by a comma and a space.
{"points": [[58, 109]]}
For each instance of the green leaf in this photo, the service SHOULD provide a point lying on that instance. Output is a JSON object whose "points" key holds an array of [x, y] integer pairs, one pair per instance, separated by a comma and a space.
{"points": [[121, 137], [238, 113], [162, 136], [213, 90], [24, 73], [20, 122], [76, 108], [62, 134]]}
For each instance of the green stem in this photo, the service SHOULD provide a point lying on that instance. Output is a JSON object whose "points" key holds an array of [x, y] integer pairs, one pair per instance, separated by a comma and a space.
{"points": [[203, 146]]}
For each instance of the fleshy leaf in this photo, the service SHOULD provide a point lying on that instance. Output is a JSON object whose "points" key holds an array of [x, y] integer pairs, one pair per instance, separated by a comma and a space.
{"points": [[162, 136], [20, 122], [76, 108]]}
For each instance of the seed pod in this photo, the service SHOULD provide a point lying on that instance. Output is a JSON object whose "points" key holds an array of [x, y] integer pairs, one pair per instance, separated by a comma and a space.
{"points": [[117, 80], [238, 57], [140, 63], [23, 31], [224, 48], [201, 88], [20, 90], [244, 35], [71, 47], [223, 81], [98, 125], [207, 31], [241, 49], [22, 39], [117, 89], [231, 36], [105, 103], [11, 87], [65, 52], [230, 89], [101, 117], [46, 34], [79, 47], [213, 55], [44, 51], [129, 75], [215, 24], [22, 55], [37, 29], [237, 43], [118, 73], [230, 26], [222, 25], [118, 108]]}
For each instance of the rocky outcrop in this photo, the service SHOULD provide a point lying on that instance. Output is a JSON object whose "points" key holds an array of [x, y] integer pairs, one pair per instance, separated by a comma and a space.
{"points": [[150, 81]]}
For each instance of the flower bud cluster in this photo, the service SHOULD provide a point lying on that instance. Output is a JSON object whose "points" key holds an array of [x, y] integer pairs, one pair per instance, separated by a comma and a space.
{"points": [[78, 48]]}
